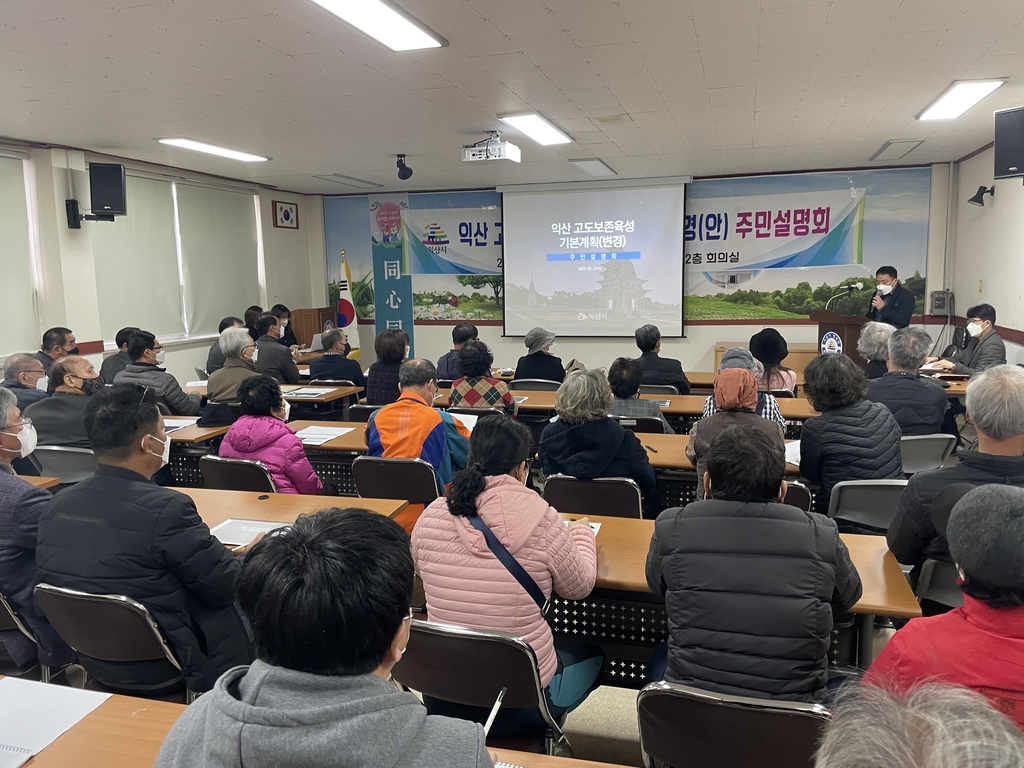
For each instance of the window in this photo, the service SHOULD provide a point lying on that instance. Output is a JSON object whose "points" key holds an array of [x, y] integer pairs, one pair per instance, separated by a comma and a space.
{"points": [[22, 332]]}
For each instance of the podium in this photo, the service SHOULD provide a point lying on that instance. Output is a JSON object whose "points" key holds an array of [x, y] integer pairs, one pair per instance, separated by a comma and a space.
{"points": [[846, 327]]}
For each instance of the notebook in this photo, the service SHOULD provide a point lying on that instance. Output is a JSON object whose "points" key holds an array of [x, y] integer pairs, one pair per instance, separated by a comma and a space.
{"points": [[33, 715], [235, 532], [316, 345], [310, 391]]}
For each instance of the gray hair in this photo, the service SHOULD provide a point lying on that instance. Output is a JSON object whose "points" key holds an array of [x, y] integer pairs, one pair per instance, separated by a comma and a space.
{"points": [[417, 373], [8, 404], [15, 365], [647, 337], [995, 401], [874, 338], [331, 337], [908, 347], [584, 396], [932, 726], [233, 341]]}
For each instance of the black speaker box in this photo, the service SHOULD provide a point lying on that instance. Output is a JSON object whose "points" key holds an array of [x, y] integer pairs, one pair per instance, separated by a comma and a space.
{"points": [[107, 186], [1009, 143]]}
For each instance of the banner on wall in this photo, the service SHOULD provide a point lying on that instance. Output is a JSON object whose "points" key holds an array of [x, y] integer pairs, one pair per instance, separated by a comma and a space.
{"points": [[392, 285]]}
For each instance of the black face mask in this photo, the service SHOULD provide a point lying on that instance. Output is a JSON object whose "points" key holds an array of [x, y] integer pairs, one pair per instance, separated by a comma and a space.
{"points": [[348, 348], [73, 351], [91, 386]]}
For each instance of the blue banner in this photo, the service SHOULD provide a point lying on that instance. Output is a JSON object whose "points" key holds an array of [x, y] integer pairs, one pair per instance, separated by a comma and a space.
{"points": [[392, 286]]}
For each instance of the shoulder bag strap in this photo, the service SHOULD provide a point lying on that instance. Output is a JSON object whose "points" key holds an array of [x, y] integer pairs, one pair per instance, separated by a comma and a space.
{"points": [[506, 559]]}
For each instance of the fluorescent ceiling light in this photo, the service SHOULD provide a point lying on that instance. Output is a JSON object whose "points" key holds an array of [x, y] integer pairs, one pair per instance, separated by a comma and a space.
{"points": [[213, 149], [384, 22], [537, 128], [594, 167], [958, 98]]}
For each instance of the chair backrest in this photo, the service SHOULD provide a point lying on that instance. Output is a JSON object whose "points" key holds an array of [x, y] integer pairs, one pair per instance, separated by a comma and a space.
{"points": [[236, 474], [413, 480], [608, 496], [10, 620], [445, 383], [481, 412], [332, 383], [202, 374], [781, 393], [535, 385], [69, 465], [938, 583], [105, 627], [658, 389], [361, 413], [922, 452], [650, 424], [798, 495], [689, 728], [866, 502]]}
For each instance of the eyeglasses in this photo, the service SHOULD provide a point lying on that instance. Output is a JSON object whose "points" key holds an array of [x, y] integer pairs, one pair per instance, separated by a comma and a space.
{"points": [[26, 422], [39, 372]]}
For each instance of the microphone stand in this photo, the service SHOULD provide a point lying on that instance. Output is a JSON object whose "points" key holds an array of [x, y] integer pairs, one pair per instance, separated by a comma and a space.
{"points": [[842, 292]]}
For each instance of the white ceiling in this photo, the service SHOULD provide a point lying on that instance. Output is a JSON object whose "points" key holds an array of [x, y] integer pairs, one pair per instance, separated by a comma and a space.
{"points": [[710, 87]]}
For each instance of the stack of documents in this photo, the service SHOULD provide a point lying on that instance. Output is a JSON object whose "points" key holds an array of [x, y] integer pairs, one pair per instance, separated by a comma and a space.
{"points": [[237, 533], [310, 391], [320, 435]]}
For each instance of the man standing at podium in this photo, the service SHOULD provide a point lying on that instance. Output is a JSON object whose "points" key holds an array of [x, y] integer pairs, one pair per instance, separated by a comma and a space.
{"points": [[892, 304]]}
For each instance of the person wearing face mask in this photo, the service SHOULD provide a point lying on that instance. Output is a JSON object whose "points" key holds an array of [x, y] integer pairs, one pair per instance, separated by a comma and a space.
{"points": [[117, 362], [540, 361], [391, 347], [117, 532], [272, 358], [145, 370], [284, 320], [239, 349], [892, 303], [334, 365], [467, 585], [57, 343], [984, 350], [261, 434], [25, 376], [215, 357], [59, 418]]}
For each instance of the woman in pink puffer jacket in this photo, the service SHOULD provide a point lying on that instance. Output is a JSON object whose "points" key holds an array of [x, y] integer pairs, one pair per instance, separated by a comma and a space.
{"points": [[261, 434], [467, 585]]}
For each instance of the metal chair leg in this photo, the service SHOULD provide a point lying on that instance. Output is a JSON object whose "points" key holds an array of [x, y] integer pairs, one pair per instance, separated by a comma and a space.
{"points": [[44, 673]]}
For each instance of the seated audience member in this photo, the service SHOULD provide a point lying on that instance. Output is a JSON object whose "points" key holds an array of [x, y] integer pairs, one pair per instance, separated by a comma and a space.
{"points": [[540, 361], [60, 418], [873, 345], [854, 438], [328, 600], [585, 443], [995, 406], [449, 365], [932, 726], [625, 377], [735, 404], [770, 349], [985, 348], [750, 583], [917, 402], [20, 506], [767, 404], [981, 645], [391, 347], [659, 370], [147, 356], [215, 357], [465, 583], [476, 388], [57, 343], [117, 362], [238, 349], [261, 434], [892, 303], [119, 533], [251, 318], [22, 375], [284, 321], [271, 357], [411, 428], [334, 365]]}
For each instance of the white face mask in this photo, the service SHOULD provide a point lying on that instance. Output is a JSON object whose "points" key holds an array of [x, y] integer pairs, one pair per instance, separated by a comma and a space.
{"points": [[283, 322], [43, 383], [551, 349], [165, 455], [974, 329], [406, 351], [287, 410], [160, 357], [883, 290], [255, 354], [27, 438]]}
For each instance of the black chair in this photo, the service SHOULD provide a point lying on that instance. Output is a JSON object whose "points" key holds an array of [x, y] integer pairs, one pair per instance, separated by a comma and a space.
{"points": [[535, 385], [689, 728], [10, 621], [798, 495], [112, 628], [469, 667], [608, 496], [870, 503], [69, 465], [658, 389], [361, 413], [481, 412], [645, 424], [445, 383], [236, 474], [783, 393], [939, 583], [412, 480], [332, 383]]}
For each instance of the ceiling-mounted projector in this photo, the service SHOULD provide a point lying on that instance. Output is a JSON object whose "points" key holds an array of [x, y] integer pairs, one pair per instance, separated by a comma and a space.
{"points": [[491, 148]]}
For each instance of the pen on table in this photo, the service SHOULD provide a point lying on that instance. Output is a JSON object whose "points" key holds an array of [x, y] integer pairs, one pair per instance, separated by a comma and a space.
{"points": [[494, 711], [649, 448]]}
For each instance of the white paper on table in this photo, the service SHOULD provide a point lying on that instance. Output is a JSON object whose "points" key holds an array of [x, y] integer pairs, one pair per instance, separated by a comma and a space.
{"points": [[521, 398], [310, 391], [33, 715], [595, 527], [195, 383], [468, 420], [320, 435], [663, 403], [13, 757], [793, 453], [236, 532], [179, 423]]}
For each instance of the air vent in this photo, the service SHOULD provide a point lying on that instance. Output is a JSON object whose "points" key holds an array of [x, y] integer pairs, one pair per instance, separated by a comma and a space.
{"points": [[349, 181], [895, 149], [612, 119]]}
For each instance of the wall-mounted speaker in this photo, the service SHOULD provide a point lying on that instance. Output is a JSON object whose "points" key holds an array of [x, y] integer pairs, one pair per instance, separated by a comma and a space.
{"points": [[1009, 143], [107, 189]]}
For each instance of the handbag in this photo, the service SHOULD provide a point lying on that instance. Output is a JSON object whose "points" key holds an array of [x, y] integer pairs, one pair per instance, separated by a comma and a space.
{"points": [[511, 564]]}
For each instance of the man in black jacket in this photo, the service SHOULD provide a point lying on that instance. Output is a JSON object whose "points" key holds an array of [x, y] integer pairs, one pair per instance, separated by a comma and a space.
{"points": [[334, 365], [119, 533], [892, 304], [917, 403], [659, 370], [749, 583], [272, 358], [117, 362], [995, 405]]}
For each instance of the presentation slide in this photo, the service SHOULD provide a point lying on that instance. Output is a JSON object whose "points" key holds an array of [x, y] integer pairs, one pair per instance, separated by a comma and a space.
{"points": [[594, 262]]}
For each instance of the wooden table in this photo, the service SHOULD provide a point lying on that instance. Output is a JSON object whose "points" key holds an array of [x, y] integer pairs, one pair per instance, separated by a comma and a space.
{"points": [[194, 433], [40, 482], [217, 506], [706, 379], [352, 442], [670, 452], [336, 393], [957, 388], [305, 358]]}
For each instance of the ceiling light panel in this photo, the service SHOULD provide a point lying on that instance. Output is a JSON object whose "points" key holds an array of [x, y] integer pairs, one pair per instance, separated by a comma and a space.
{"points": [[385, 23], [213, 149], [895, 149], [594, 167], [958, 98], [537, 128]]}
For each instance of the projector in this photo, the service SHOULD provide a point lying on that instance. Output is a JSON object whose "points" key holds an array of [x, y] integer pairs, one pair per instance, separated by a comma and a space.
{"points": [[491, 148]]}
